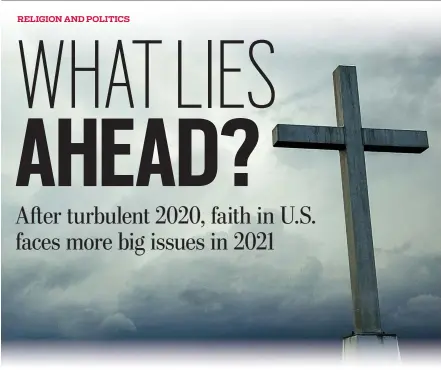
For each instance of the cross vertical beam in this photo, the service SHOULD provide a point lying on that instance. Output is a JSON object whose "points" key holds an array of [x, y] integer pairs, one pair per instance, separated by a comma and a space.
{"points": [[356, 204]]}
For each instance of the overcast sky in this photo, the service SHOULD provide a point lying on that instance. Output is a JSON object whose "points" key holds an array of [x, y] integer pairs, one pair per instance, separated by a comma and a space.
{"points": [[301, 289]]}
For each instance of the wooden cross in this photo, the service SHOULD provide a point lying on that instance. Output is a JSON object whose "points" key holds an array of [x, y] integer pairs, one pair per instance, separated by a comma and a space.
{"points": [[351, 140]]}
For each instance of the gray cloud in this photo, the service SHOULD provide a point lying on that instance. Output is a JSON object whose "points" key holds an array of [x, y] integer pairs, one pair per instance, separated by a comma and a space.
{"points": [[222, 298]]}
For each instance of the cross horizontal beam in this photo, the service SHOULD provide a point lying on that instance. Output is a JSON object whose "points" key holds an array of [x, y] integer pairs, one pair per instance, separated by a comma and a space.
{"points": [[333, 138], [394, 141], [309, 137]]}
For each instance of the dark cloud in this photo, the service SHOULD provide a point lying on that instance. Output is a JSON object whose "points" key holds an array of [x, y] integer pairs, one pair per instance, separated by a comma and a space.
{"points": [[220, 298]]}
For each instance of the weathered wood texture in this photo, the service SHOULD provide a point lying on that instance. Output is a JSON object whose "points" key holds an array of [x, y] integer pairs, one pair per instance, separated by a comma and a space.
{"points": [[309, 137], [394, 141], [352, 141], [356, 203], [333, 138]]}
